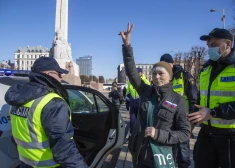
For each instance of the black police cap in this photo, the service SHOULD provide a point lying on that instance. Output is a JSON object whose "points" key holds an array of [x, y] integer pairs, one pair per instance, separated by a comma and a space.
{"points": [[47, 64], [218, 33]]}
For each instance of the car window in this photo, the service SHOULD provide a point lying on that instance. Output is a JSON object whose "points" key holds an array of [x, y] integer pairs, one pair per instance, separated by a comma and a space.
{"points": [[84, 102], [102, 107], [80, 102]]}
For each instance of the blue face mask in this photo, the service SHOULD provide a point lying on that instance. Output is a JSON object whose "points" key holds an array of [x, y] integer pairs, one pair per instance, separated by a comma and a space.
{"points": [[214, 54]]}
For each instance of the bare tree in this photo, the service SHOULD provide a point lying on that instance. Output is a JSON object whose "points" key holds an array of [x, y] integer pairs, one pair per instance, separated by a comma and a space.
{"points": [[178, 57], [84, 79], [101, 79], [198, 54], [232, 31], [93, 78]]}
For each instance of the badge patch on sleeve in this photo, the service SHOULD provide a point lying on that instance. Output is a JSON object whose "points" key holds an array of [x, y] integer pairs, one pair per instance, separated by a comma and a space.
{"points": [[169, 104], [177, 86], [20, 111], [227, 79]]}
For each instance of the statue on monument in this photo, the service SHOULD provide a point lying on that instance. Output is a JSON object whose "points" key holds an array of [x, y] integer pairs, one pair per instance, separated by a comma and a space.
{"points": [[61, 48]]}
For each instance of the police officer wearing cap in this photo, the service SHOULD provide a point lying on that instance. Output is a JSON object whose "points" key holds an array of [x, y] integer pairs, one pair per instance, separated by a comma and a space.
{"points": [[183, 84], [41, 119], [215, 146]]}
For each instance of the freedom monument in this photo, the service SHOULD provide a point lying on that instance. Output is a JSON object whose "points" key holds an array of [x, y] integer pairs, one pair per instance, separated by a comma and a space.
{"points": [[61, 49]]}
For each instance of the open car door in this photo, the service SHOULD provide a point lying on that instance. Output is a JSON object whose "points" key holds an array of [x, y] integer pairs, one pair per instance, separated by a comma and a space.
{"points": [[98, 126]]}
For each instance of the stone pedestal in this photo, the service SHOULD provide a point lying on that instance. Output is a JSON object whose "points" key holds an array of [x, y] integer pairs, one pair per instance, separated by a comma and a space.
{"points": [[97, 86], [73, 76], [69, 65], [71, 79]]}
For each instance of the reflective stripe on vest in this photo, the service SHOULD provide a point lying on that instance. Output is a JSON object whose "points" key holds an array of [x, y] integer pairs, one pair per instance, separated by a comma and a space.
{"points": [[218, 93], [178, 87], [32, 142], [221, 91], [215, 122]]}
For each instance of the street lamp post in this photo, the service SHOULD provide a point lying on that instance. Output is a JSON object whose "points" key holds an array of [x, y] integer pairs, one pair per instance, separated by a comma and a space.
{"points": [[223, 15]]}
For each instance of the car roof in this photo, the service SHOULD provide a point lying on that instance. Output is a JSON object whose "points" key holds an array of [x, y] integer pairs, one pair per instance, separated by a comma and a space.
{"points": [[10, 80]]}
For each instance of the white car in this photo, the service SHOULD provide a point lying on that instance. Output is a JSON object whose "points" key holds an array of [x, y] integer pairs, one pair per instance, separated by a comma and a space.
{"points": [[98, 126]]}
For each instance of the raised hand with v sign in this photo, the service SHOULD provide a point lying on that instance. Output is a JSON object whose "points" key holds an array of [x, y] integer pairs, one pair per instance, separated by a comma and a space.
{"points": [[126, 34]]}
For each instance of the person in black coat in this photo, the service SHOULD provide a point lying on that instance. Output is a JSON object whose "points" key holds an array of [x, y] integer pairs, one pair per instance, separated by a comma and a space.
{"points": [[185, 85], [162, 118], [116, 95], [44, 79]]}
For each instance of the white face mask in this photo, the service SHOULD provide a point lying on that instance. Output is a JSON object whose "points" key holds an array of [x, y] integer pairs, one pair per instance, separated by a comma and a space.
{"points": [[214, 54]]}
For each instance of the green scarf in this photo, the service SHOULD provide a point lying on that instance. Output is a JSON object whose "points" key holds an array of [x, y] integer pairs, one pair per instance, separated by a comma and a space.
{"points": [[163, 157]]}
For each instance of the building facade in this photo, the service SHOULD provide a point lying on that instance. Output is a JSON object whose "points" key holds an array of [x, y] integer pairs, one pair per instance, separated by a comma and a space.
{"points": [[122, 78], [85, 65], [25, 56], [121, 75]]}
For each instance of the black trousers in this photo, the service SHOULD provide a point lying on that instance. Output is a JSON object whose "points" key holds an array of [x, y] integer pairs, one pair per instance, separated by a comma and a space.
{"points": [[181, 153], [213, 150]]}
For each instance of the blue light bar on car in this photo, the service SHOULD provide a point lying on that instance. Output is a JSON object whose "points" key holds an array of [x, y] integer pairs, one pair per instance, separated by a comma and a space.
{"points": [[5, 71]]}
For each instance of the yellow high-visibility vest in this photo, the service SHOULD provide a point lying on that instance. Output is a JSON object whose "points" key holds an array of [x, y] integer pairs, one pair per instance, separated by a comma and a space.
{"points": [[178, 87], [30, 137], [131, 90], [222, 90]]}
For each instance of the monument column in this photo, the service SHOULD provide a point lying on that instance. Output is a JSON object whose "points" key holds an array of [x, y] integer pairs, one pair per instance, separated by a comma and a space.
{"points": [[61, 19]]}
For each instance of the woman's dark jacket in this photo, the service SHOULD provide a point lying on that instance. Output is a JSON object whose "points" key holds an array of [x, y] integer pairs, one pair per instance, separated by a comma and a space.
{"points": [[116, 96], [170, 118]]}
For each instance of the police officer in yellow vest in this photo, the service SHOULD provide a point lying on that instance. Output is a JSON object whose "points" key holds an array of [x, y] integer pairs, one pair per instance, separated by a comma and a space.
{"points": [[215, 146], [183, 84], [41, 119]]}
